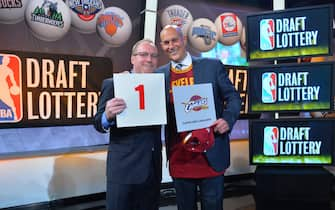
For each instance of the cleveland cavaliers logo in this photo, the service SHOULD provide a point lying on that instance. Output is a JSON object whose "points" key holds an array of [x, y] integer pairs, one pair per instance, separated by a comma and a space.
{"points": [[196, 103], [10, 86]]}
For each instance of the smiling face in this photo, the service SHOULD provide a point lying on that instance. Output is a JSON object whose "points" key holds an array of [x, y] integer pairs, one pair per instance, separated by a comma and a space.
{"points": [[173, 43], [145, 58]]}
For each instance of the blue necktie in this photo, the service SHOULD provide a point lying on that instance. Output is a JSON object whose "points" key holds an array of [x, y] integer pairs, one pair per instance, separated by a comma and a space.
{"points": [[179, 66]]}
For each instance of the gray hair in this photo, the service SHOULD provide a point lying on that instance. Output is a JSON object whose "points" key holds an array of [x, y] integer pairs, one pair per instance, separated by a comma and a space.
{"points": [[138, 43]]}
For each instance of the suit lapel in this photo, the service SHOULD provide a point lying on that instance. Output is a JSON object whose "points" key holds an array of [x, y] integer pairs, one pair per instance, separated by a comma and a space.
{"points": [[196, 70], [167, 82]]}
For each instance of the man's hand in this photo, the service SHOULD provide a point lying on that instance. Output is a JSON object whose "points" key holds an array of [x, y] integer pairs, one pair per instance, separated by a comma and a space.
{"points": [[113, 107], [220, 126]]}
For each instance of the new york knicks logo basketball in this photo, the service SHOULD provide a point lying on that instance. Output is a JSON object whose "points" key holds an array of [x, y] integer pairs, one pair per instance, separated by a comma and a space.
{"points": [[270, 145], [11, 89], [269, 87], [266, 34], [111, 22]]}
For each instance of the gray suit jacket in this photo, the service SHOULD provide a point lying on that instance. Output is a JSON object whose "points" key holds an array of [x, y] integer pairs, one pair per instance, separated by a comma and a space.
{"points": [[227, 104]]}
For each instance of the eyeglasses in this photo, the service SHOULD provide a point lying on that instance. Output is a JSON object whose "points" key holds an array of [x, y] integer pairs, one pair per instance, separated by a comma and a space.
{"points": [[167, 42], [146, 54]]}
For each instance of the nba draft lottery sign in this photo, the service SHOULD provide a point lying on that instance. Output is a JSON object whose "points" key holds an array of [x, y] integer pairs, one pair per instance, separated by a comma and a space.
{"points": [[292, 141], [48, 89], [290, 33], [295, 87]]}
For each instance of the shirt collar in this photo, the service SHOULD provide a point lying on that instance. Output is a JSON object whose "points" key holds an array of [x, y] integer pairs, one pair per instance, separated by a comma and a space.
{"points": [[187, 61]]}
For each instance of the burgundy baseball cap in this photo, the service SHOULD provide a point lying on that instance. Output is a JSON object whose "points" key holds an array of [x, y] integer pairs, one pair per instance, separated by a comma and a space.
{"points": [[199, 140]]}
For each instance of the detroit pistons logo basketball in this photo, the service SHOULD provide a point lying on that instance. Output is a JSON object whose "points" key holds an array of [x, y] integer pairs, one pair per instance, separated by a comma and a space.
{"points": [[11, 89]]}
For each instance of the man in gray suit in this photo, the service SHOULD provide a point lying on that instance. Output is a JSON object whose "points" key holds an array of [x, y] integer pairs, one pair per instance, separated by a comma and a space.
{"points": [[192, 162], [134, 153]]}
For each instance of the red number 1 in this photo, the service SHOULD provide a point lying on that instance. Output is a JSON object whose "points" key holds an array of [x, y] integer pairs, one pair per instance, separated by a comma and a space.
{"points": [[140, 89]]}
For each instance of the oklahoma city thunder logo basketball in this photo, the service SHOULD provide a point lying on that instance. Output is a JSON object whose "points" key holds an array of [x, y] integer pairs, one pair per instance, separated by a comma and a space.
{"points": [[11, 89]]}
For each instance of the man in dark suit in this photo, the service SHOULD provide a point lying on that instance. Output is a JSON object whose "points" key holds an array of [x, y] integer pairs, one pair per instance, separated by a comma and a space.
{"points": [[134, 153], [189, 167]]}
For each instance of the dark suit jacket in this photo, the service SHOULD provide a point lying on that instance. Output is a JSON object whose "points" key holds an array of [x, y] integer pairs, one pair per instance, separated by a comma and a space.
{"points": [[131, 150], [207, 70]]}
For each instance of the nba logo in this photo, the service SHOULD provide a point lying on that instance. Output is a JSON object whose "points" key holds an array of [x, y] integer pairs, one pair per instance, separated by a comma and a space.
{"points": [[229, 24], [270, 146], [266, 34], [269, 87], [11, 89]]}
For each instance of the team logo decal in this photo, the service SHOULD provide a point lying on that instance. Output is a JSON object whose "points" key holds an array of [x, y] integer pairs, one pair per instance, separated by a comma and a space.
{"points": [[86, 9], [10, 4], [178, 21], [229, 28], [204, 32], [48, 13], [11, 88], [110, 21], [203, 35], [12, 11], [114, 26], [196, 103], [177, 15], [229, 25]]}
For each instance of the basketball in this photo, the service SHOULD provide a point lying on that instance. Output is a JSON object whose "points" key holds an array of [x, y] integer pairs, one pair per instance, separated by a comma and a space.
{"points": [[12, 12], [177, 15], [48, 20], [84, 14], [114, 26], [202, 34], [229, 28]]}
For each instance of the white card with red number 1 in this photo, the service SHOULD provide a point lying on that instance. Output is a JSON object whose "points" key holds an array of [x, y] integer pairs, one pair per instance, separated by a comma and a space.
{"points": [[144, 95]]}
